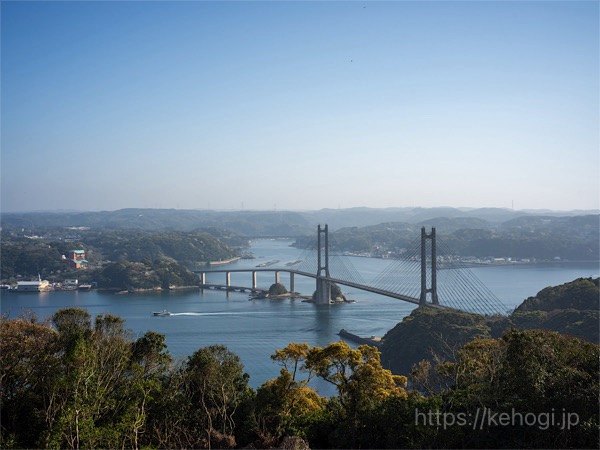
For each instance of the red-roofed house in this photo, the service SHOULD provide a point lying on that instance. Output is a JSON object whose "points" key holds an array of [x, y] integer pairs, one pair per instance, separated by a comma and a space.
{"points": [[76, 259]]}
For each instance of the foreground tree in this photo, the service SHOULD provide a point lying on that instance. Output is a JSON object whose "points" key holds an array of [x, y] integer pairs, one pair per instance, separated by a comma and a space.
{"points": [[77, 385], [285, 404], [356, 373], [217, 386], [545, 382], [91, 398], [27, 366], [288, 406]]}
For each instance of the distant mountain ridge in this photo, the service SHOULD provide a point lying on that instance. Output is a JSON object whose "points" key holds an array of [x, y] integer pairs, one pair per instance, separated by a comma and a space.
{"points": [[272, 223], [249, 223]]}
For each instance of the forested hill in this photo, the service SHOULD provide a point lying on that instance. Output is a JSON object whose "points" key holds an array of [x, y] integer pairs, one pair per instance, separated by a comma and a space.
{"points": [[572, 238], [581, 294], [28, 256], [187, 248], [127, 275], [570, 309]]}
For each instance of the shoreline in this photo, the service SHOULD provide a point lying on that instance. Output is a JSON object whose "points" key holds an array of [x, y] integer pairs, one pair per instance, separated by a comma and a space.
{"points": [[217, 263], [118, 291], [467, 264]]}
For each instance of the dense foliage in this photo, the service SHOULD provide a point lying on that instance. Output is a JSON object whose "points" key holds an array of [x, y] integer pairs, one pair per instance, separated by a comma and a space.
{"points": [[473, 382], [571, 308], [427, 332], [581, 294], [43, 254], [188, 248], [83, 383], [29, 257], [577, 244], [541, 385], [162, 274]]}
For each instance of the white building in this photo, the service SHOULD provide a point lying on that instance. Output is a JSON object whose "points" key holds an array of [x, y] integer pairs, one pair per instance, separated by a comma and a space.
{"points": [[33, 286]]}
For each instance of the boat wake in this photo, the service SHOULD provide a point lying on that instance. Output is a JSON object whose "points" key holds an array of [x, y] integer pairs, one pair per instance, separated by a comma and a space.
{"points": [[223, 313]]}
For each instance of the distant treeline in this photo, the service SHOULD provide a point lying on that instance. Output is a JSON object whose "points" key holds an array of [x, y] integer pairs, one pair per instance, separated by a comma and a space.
{"points": [[480, 233], [274, 223], [545, 238]]}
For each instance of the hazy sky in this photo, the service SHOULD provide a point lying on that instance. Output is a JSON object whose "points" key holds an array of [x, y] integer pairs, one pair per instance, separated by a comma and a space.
{"points": [[299, 105]]}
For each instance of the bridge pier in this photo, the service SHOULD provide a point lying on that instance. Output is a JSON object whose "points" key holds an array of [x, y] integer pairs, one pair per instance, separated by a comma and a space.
{"points": [[292, 284], [323, 296], [277, 277], [254, 285], [203, 278], [323, 292], [228, 279]]}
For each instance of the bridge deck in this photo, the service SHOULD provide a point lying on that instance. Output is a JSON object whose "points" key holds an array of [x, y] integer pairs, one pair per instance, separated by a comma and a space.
{"points": [[362, 287], [231, 288]]}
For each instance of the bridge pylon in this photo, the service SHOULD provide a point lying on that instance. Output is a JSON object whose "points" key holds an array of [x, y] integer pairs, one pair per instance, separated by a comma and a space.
{"points": [[432, 289], [323, 292]]}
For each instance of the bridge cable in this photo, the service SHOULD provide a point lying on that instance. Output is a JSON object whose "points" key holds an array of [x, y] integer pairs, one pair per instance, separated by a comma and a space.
{"points": [[402, 276], [342, 263], [482, 298]]}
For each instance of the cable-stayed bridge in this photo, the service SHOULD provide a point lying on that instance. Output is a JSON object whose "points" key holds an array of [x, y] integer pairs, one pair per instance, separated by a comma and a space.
{"points": [[426, 274]]}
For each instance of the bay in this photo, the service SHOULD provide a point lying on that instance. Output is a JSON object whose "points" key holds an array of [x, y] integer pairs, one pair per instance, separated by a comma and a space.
{"points": [[255, 329]]}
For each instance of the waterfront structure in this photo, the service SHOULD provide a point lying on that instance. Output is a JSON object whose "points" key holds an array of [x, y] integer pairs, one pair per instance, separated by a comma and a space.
{"points": [[38, 285]]}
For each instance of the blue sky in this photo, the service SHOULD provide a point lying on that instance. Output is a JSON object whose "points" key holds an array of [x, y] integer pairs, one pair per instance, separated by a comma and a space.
{"points": [[299, 105]]}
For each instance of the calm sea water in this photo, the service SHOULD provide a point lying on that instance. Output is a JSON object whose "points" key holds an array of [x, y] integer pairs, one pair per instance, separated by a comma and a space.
{"points": [[255, 329]]}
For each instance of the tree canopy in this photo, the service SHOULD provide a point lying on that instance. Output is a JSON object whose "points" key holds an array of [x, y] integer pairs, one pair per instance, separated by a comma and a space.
{"points": [[77, 381]]}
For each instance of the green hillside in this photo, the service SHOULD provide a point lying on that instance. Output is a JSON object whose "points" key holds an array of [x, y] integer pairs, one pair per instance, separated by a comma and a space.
{"points": [[127, 275], [27, 256], [187, 248], [570, 309]]}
